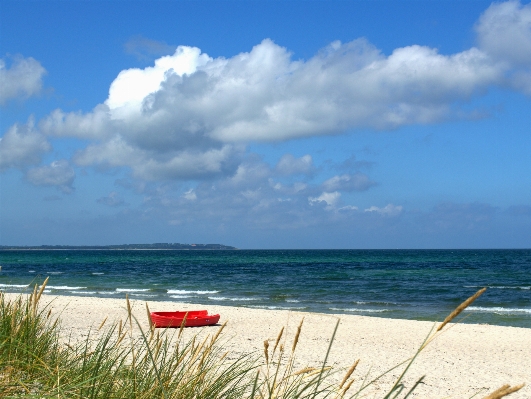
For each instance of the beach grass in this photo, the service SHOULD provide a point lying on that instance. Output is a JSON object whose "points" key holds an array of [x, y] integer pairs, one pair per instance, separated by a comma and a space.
{"points": [[37, 361]]}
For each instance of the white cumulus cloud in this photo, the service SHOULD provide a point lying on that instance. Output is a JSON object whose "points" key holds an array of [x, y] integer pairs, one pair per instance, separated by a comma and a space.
{"points": [[191, 107], [22, 79]]}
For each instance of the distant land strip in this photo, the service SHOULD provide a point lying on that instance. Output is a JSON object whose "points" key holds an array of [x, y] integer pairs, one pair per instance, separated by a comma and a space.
{"points": [[120, 247]]}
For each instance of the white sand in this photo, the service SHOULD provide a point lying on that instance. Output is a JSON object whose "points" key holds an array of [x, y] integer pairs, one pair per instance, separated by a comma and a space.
{"points": [[464, 360]]}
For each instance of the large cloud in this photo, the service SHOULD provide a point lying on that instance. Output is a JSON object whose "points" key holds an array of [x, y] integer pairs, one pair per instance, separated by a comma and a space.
{"points": [[189, 105], [22, 80], [189, 115]]}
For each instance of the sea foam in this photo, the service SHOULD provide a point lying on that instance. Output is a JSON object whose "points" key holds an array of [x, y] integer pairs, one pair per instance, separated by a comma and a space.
{"points": [[499, 310], [360, 310], [184, 292], [14, 285], [64, 287]]}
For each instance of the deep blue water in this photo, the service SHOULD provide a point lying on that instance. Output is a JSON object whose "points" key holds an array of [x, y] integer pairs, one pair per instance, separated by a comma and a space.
{"points": [[412, 284]]}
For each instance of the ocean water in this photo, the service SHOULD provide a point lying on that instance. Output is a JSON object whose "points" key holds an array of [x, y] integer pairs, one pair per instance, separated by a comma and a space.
{"points": [[408, 284]]}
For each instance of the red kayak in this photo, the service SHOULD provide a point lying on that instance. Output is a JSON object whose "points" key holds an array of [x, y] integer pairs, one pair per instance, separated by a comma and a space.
{"points": [[195, 318]]}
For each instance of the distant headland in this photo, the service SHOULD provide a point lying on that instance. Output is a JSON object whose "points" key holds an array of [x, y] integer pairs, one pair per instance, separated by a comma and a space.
{"points": [[157, 246]]}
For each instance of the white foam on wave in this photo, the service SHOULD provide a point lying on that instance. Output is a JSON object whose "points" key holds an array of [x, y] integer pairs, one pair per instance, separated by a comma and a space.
{"points": [[132, 289], [360, 310], [14, 285], [278, 307], [180, 296], [502, 287], [54, 272], [224, 298], [292, 300], [499, 310], [143, 295], [84, 292], [31, 271], [185, 292], [64, 287], [97, 273]]}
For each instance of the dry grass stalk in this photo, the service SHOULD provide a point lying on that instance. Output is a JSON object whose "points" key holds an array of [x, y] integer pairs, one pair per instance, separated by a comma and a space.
{"points": [[349, 373], [460, 308], [149, 316], [33, 300], [296, 340], [202, 344], [151, 334], [120, 328], [120, 338], [278, 340], [320, 370], [129, 312], [504, 391], [182, 325], [347, 387], [157, 350], [102, 323], [266, 351], [43, 286], [305, 370], [215, 337]]}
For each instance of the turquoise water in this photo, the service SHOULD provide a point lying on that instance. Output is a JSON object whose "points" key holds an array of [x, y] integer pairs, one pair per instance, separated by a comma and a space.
{"points": [[411, 284]]}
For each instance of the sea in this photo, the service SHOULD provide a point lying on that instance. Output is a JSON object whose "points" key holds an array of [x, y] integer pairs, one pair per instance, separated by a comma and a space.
{"points": [[404, 284]]}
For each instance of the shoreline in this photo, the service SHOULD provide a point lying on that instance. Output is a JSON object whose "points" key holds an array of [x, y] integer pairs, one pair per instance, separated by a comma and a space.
{"points": [[467, 317], [464, 360]]}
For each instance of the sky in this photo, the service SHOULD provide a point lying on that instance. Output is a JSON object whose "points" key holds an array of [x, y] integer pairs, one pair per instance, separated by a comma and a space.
{"points": [[266, 124]]}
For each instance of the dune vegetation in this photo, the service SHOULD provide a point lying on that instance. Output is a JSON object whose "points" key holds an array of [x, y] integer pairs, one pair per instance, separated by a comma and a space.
{"points": [[37, 361]]}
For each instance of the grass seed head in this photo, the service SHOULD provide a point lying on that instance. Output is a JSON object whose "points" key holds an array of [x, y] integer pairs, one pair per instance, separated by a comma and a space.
{"points": [[296, 340], [149, 316], [349, 373], [215, 337], [504, 391], [183, 324], [347, 387], [460, 308], [266, 351], [43, 286], [305, 370], [102, 323], [278, 340]]}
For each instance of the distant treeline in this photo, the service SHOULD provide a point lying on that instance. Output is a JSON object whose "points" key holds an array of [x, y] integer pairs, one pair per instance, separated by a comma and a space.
{"points": [[122, 246]]}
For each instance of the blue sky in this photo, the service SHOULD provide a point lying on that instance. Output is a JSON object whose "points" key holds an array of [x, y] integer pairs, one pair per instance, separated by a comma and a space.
{"points": [[296, 124]]}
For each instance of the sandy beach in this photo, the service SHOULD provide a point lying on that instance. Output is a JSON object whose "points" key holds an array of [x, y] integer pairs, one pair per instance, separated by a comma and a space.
{"points": [[466, 359]]}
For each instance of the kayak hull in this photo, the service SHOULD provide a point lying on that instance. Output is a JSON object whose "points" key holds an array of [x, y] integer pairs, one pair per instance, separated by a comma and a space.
{"points": [[195, 318]]}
